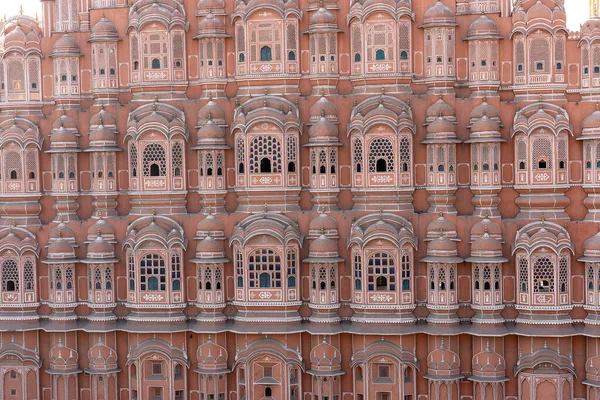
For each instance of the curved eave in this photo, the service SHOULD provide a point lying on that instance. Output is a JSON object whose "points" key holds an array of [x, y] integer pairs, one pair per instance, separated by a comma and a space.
{"points": [[589, 259], [222, 260], [442, 260], [323, 259], [211, 35], [212, 371], [486, 140], [591, 383], [100, 260], [488, 380], [325, 373], [102, 371], [51, 371], [477, 259], [437, 25], [589, 137], [104, 39], [441, 141], [322, 29], [323, 144], [484, 37], [55, 55], [443, 377], [210, 147], [61, 261], [101, 149], [64, 150]]}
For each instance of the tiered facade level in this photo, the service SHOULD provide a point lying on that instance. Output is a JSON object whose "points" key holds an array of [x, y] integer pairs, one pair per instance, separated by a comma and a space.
{"points": [[299, 199]]}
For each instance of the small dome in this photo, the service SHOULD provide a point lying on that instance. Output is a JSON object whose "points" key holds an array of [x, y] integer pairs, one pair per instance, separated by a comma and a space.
{"points": [[440, 108], [323, 17], [211, 110], [441, 125], [211, 356], [483, 26], [210, 130], [486, 244], [101, 227], [100, 247], [209, 224], [441, 246], [15, 37], [325, 357], [62, 230], [592, 245], [63, 137], [323, 107], [559, 15], [438, 15], [61, 249], [104, 29], [211, 24], [323, 129], [486, 225], [592, 121], [323, 223], [519, 15], [441, 224], [484, 109], [103, 117], [102, 357], [66, 45], [102, 134], [323, 247], [62, 357], [485, 124], [539, 11], [66, 122], [209, 246]]}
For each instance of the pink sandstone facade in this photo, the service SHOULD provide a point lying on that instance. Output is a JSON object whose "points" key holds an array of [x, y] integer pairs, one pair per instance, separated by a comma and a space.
{"points": [[299, 200]]}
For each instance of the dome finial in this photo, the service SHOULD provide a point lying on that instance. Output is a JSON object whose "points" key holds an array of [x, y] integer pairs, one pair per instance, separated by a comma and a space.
{"points": [[21, 8], [265, 209], [541, 102], [380, 212], [484, 98], [543, 220], [153, 213]]}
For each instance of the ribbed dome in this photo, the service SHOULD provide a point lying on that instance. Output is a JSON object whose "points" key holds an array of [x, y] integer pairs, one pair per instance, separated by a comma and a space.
{"points": [[323, 17], [66, 45], [539, 11], [102, 134], [486, 225], [484, 109], [66, 122], [323, 246], [209, 245], [209, 224], [104, 29], [440, 108], [592, 245], [440, 224], [322, 223], [439, 14], [485, 124], [323, 128], [323, 107], [486, 243], [592, 121], [100, 246], [211, 24], [483, 26], [211, 110], [441, 125], [210, 130], [15, 37], [441, 246], [63, 137], [101, 227], [61, 249]]}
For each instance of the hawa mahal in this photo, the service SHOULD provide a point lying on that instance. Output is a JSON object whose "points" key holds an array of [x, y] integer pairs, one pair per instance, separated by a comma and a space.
{"points": [[300, 200]]}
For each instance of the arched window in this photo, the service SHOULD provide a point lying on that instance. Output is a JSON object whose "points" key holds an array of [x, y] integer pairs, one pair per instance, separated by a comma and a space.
{"points": [[264, 268], [358, 274], [265, 53], [155, 63], [380, 55], [381, 155], [10, 276], [404, 55], [265, 155], [155, 162], [381, 272], [153, 274]]}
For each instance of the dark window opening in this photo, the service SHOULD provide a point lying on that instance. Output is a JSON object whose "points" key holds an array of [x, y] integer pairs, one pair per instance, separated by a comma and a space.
{"points": [[265, 54], [291, 56], [291, 166], [241, 57], [381, 165], [357, 57], [403, 55], [542, 164], [380, 55], [241, 168], [13, 174], [154, 170], [381, 283], [156, 63], [265, 166]]}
